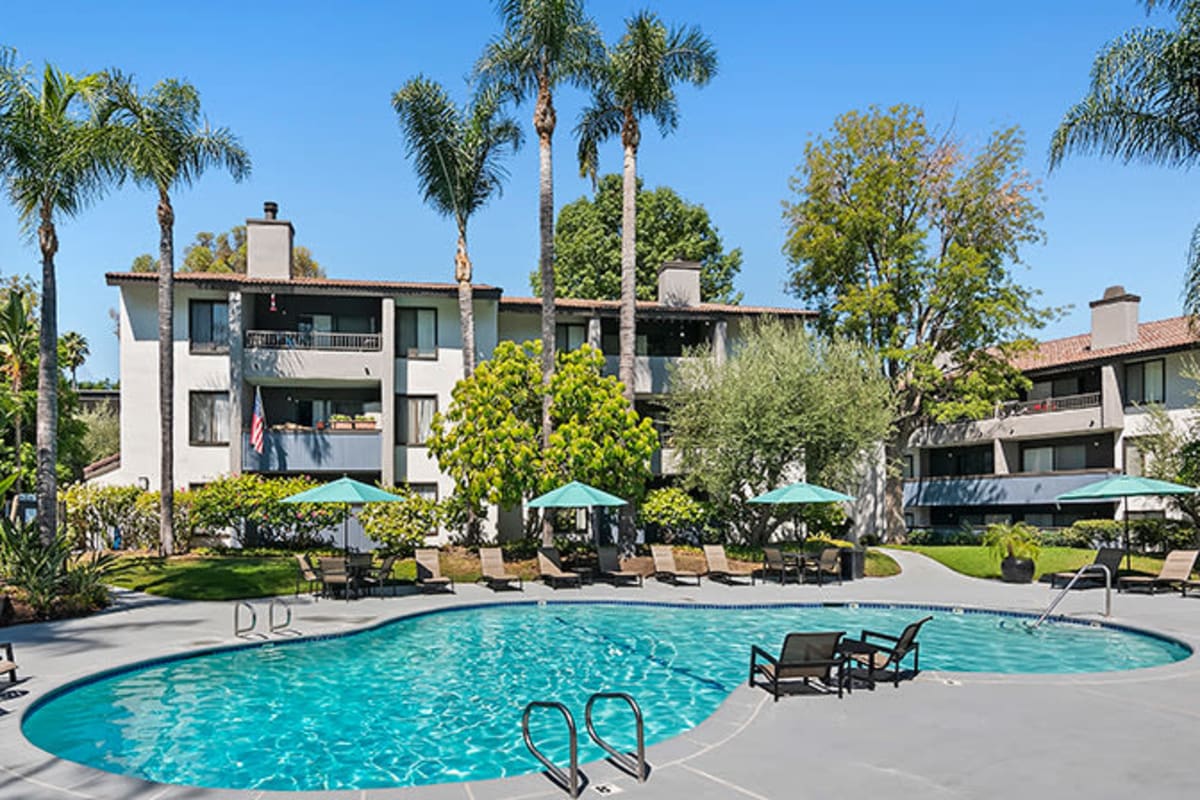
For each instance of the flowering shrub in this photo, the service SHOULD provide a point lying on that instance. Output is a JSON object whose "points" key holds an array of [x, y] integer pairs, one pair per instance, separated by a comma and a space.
{"points": [[250, 506], [400, 527]]}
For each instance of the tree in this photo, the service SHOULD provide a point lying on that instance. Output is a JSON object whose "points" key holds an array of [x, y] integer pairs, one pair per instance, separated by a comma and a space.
{"points": [[226, 252], [488, 440], [544, 43], [907, 246], [18, 355], [143, 263], [457, 155], [166, 146], [73, 351], [587, 241], [1170, 451], [56, 160], [775, 407], [637, 79], [102, 432], [1142, 105]]}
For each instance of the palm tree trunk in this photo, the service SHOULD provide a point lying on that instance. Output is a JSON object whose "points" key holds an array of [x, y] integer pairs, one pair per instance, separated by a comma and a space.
{"points": [[544, 122], [627, 369], [19, 485], [47, 399], [466, 308], [893, 494], [166, 373]]}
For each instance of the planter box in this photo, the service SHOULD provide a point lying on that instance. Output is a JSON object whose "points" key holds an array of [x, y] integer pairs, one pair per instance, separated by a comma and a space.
{"points": [[364, 424], [341, 425]]}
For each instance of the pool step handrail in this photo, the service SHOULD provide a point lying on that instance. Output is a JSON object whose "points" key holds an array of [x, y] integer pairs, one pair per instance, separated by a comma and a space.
{"points": [[568, 779], [287, 620], [635, 763], [1081, 574], [239, 629]]}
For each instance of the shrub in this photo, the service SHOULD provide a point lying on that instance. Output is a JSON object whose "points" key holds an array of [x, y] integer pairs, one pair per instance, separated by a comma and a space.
{"points": [[45, 575], [1094, 533], [938, 537], [95, 513], [401, 527], [1012, 540], [815, 544], [1157, 535], [250, 505], [675, 512]]}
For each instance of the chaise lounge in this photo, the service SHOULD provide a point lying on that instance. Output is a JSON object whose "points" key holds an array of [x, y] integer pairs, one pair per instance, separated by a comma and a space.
{"points": [[8, 664], [550, 567], [719, 569], [1106, 556], [1176, 572], [610, 567], [804, 657], [495, 574], [429, 571], [879, 658], [665, 569]]}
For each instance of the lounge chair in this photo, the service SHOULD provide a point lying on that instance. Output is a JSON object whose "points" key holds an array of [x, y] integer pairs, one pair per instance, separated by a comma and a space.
{"points": [[803, 657], [377, 579], [306, 574], [429, 571], [775, 562], [1176, 571], [550, 568], [827, 565], [665, 569], [495, 574], [879, 657], [719, 569], [8, 664], [335, 576], [1107, 556], [610, 567]]}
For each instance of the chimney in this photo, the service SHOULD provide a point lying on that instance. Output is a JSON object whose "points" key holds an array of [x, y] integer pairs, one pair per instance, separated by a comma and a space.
{"points": [[679, 283], [1114, 318], [269, 245]]}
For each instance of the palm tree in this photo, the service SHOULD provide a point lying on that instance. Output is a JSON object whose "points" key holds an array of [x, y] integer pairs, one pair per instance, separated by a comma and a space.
{"points": [[73, 349], [167, 145], [18, 352], [1143, 106], [544, 43], [456, 154], [637, 80], [56, 159]]}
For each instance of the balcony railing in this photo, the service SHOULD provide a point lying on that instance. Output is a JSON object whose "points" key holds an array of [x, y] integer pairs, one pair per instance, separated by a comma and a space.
{"points": [[314, 340], [1072, 402]]}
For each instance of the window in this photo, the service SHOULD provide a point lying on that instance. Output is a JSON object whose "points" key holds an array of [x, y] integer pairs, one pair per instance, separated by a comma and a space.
{"points": [[610, 336], [1065, 455], [1070, 456], [957, 461], [414, 418], [1145, 382], [670, 338], [569, 336], [425, 491], [909, 472], [1037, 459], [209, 326], [208, 420], [416, 333]]}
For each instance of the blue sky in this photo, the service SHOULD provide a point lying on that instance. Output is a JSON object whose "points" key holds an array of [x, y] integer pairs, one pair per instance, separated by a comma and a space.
{"points": [[307, 87]]}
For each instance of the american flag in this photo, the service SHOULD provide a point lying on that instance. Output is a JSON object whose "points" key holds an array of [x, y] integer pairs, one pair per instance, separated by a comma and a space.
{"points": [[258, 423]]}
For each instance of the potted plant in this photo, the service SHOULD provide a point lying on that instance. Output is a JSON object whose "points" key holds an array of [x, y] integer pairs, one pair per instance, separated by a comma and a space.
{"points": [[341, 422], [1017, 545], [362, 422]]}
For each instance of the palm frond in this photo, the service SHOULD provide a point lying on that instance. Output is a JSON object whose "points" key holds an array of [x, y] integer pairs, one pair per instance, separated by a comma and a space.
{"points": [[550, 39], [1191, 280], [598, 122]]}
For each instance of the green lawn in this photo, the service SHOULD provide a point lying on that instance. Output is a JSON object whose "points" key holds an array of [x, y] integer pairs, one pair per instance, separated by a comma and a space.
{"points": [[978, 562], [880, 565]]}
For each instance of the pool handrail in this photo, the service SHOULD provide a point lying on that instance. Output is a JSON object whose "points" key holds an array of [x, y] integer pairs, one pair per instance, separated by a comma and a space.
{"points": [[568, 779], [634, 765], [1081, 573], [287, 620], [239, 630]]}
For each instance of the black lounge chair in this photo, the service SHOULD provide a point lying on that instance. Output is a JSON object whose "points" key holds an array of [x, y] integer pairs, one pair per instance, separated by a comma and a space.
{"points": [[804, 657], [377, 579], [609, 561], [429, 571], [878, 658], [1106, 556]]}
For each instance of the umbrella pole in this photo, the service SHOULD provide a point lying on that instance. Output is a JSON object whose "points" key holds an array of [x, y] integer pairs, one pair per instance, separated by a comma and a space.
{"points": [[1128, 553]]}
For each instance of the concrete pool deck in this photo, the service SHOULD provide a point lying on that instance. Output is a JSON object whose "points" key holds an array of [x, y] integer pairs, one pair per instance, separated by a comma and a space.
{"points": [[941, 735]]}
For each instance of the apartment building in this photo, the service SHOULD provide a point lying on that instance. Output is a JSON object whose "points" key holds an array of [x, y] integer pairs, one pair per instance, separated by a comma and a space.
{"points": [[351, 372], [1079, 422]]}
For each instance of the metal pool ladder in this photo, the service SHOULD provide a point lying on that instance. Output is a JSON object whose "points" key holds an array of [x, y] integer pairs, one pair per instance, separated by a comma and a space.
{"points": [[568, 779], [1081, 573], [634, 764], [239, 629]]}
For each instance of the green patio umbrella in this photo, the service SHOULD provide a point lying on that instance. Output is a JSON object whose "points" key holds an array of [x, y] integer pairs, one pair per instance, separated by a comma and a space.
{"points": [[1123, 487], [800, 494], [344, 490], [577, 495]]}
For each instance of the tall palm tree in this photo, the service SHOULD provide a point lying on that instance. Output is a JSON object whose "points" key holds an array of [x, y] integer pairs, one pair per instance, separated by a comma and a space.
{"points": [[1142, 105], [18, 353], [74, 347], [56, 159], [544, 43], [166, 145], [456, 153], [637, 80]]}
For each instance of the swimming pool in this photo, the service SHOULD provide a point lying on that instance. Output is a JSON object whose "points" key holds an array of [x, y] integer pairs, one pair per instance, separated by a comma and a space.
{"points": [[438, 697]]}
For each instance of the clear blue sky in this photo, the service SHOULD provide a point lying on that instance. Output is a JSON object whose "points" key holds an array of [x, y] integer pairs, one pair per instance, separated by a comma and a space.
{"points": [[307, 86]]}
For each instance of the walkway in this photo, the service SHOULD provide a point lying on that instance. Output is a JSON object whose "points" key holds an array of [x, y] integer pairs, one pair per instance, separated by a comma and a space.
{"points": [[940, 736]]}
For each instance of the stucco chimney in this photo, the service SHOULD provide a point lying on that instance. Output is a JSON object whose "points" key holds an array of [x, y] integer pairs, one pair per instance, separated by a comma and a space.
{"points": [[1114, 318], [269, 245], [679, 283]]}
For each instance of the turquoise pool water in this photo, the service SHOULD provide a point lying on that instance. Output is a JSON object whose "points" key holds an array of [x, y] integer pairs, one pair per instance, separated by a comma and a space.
{"points": [[438, 698]]}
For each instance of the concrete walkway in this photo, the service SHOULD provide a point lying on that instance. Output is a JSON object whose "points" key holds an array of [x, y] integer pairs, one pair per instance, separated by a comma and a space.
{"points": [[941, 735]]}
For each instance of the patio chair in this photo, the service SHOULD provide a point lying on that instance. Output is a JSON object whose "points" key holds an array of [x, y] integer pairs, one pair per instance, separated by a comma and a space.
{"points": [[377, 579], [1176, 571], [1106, 556], [828, 565], [879, 657], [609, 561], [335, 576], [719, 569], [495, 574], [550, 568], [665, 569], [803, 657], [429, 571], [774, 562], [306, 574], [8, 664]]}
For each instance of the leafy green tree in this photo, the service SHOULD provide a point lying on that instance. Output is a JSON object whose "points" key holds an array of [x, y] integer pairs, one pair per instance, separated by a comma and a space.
{"points": [[399, 527], [637, 79], [488, 440], [1170, 451], [144, 263], [906, 245], [226, 253], [18, 357], [1142, 105], [73, 351], [673, 510], [544, 44], [56, 159], [457, 156], [777, 405], [102, 436], [587, 243]]}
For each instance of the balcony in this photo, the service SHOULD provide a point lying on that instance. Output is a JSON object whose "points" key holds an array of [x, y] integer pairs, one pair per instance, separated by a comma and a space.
{"points": [[652, 374], [1018, 419], [311, 451], [1047, 405], [315, 340]]}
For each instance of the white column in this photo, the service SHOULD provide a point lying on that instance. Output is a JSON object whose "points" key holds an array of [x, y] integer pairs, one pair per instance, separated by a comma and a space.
{"points": [[387, 393], [235, 382]]}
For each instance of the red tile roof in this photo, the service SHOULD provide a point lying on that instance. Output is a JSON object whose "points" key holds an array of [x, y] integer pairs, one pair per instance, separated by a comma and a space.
{"points": [[1160, 335]]}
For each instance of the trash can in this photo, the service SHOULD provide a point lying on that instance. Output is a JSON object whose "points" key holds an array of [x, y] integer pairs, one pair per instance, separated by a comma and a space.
{"points": [[853, 562]]}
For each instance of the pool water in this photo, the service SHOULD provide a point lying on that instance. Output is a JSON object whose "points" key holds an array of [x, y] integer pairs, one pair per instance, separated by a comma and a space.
{"points": [[438, 698]]}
